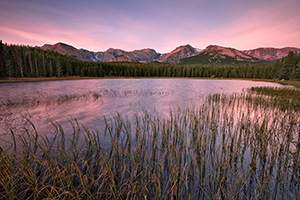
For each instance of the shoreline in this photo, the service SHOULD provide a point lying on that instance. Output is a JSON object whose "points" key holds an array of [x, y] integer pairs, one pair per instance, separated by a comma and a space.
{"points": [[42, 79]]}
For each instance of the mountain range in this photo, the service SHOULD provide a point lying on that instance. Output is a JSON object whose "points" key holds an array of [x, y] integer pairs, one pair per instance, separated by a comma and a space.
{"points": [[185, 54]]}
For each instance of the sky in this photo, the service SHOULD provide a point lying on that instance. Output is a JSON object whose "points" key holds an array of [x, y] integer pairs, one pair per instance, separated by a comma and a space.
{"points": [[163, 25]]}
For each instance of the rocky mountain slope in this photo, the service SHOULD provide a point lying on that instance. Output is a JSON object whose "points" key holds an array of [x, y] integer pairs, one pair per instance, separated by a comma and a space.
{"points": [[220, 55], [270, 54], [178, 54], [185, 54], [113, 55], [68, 50]]}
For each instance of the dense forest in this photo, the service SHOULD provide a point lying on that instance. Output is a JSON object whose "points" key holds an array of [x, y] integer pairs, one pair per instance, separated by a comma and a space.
{"points": [[25, 61]]}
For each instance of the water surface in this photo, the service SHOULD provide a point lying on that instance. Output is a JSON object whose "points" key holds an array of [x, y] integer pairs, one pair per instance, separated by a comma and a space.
{"points": [[89, 101]]}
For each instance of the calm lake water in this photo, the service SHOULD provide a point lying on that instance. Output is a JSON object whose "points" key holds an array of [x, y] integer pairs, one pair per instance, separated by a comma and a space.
{"points": [[89, 101]]}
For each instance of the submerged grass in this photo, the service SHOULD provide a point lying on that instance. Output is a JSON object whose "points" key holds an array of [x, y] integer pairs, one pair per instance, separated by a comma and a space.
{"points": [[48, 100], [229, 148]]}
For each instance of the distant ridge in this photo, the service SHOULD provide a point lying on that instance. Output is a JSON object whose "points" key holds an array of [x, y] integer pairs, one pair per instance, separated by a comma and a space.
{"points": [[269, 53], [115, 55], [185, 54], [215, 54]]}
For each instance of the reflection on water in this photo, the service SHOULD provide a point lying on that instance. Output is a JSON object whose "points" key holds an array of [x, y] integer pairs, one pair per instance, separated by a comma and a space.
{"points": [[89, 101]]}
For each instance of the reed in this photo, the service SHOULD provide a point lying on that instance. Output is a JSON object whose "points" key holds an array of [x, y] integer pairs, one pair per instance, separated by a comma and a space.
{"points": [[282, 98], [231, 147]]}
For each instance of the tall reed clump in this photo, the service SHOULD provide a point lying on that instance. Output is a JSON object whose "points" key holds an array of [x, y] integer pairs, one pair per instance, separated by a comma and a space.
{"points": [[229, 148], [282, 98]]}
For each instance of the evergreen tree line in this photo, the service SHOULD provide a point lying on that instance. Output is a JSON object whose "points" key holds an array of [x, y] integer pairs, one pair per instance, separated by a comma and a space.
{"points": [[24, 61]]}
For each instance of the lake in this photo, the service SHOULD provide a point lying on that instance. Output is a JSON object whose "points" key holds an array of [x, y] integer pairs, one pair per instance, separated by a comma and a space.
{"points": [[89, 101], [172, 138]]}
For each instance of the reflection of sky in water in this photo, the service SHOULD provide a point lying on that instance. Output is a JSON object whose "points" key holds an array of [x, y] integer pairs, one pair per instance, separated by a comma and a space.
{"points": [[124, 96]]}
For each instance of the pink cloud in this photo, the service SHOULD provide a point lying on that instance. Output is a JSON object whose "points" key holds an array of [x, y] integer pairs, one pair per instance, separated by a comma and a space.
{"points": [[50, 34], [263, 26]]}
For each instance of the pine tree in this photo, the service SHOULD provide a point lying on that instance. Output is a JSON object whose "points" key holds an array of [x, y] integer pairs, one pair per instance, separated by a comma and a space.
{"points": [[1, 59], [288, 63]]}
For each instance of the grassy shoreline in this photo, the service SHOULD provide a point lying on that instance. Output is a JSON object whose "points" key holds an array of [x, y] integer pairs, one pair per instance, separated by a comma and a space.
{"points": [[40, 79]]}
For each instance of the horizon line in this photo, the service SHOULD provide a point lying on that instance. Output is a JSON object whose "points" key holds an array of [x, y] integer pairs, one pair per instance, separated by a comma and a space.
{"points": [[74, 46]]}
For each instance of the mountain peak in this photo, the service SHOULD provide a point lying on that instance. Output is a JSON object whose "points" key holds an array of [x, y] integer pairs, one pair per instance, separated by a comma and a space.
{"points": [[217, 47], [63, 45], [68, 50], [182, 47], [59, 45], [178, 53]]}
